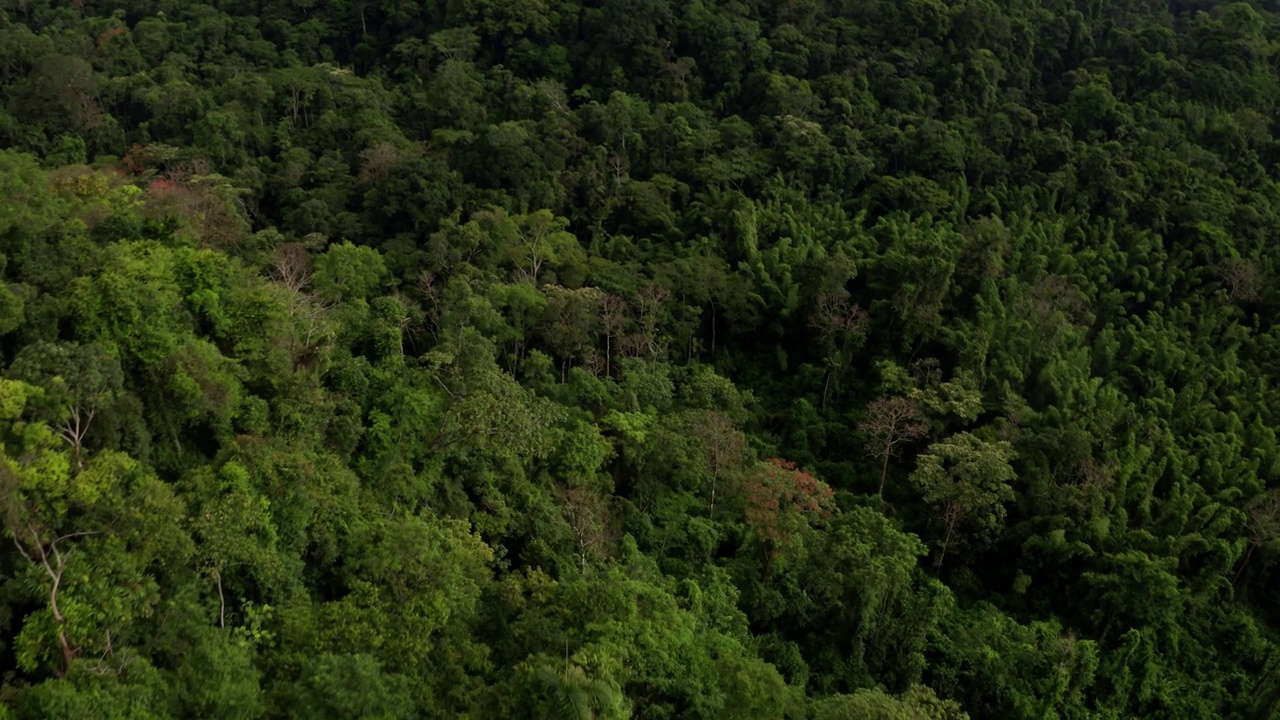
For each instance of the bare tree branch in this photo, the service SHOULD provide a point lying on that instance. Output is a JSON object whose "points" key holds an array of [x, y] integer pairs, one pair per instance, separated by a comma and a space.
{"points": [[890, 422]]}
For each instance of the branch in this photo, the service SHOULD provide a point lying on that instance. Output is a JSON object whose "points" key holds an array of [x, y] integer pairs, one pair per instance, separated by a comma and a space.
{"points": [[21, 550]]}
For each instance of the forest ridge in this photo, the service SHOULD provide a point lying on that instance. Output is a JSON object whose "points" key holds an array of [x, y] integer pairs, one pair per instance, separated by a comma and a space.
{"points": [[732, 359]]}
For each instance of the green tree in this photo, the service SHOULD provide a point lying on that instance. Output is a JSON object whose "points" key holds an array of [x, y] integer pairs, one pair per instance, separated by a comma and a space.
{"points": [[347, 686], [78, 382], [967, 480], [91, 541], [918, 703]]}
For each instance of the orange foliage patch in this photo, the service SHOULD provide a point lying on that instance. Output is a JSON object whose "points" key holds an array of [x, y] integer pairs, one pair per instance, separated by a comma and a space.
{"points": [[781, 499]]}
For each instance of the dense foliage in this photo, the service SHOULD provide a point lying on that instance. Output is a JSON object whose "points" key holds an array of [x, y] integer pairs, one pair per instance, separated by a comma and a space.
{"points": [[639, 358]]}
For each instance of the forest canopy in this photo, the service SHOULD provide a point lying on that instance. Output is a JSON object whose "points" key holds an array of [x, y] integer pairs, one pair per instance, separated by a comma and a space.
{"points": [[638, 358]]}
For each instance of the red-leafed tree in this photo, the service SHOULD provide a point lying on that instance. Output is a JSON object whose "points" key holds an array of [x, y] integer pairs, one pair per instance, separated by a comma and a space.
{"points": [[782, 501]]}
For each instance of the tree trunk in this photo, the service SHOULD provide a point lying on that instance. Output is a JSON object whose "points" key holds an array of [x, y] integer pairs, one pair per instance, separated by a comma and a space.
{"points": [[1244, 563], [68, 655], [222, 601], [946, 541], [713, 330]]}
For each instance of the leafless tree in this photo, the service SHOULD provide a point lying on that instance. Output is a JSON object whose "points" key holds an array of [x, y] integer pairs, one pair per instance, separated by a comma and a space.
{"points": [[1050, 294], [377, 161], [953, 512], [590, 520], [1076, 484], [596, 363], [88, 112], [837, 321], [650, 302], [182, 173], [835, 317], [1243, 278], [428, 286], [613, 320], [1262, 521], [723, 445], [74, 428], [618, 165], [633, 345], [291, 265], [891, 422]]}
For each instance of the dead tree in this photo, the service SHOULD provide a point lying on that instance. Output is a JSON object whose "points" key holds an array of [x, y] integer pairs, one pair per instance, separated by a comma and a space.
{"points": [[1262, 520], [891, 422]]}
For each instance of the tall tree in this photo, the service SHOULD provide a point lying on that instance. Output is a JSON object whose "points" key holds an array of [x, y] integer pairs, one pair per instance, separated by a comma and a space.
{"points": [[967, 480], [891, 422]]}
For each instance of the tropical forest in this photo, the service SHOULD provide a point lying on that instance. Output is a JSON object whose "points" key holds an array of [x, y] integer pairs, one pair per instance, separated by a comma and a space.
{"points": [[653, 359]]}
